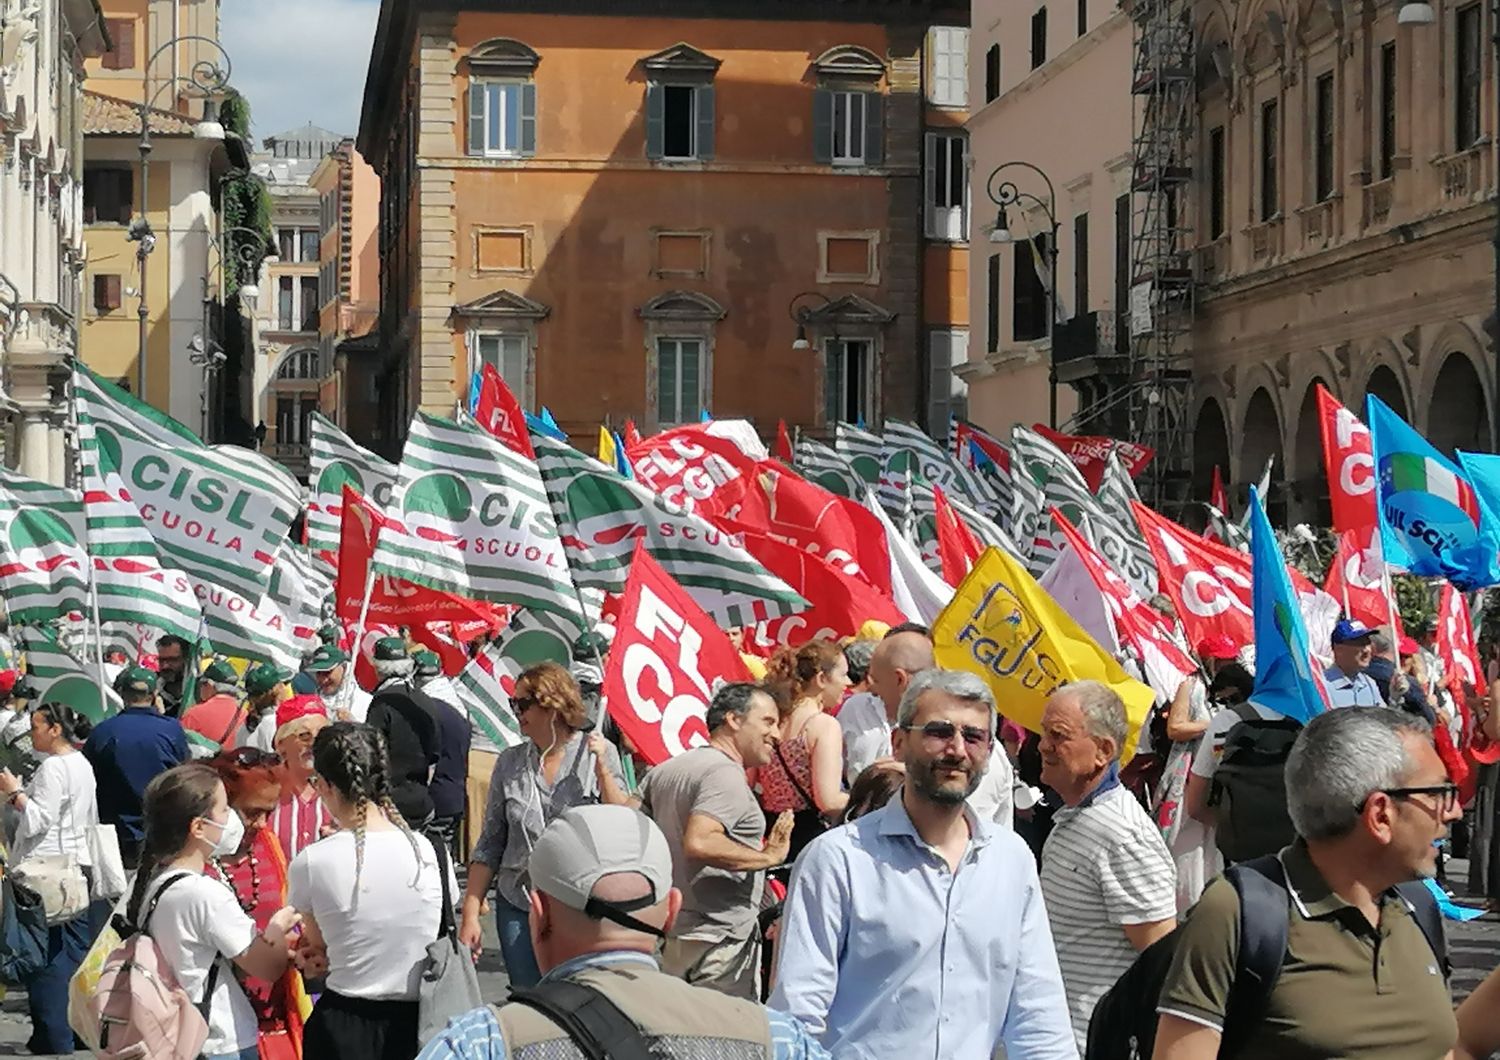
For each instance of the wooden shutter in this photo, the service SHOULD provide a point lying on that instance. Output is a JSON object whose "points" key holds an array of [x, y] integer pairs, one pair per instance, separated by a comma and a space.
{"points": [[106, 292], [668, 408], [476, 117], [528, 119], [121, 55], [703, 103], [874, 129], [823, 127], [656, 121]]}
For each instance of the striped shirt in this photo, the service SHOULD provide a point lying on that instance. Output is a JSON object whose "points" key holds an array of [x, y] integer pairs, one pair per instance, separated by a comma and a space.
{"points": [[1104, 865]]}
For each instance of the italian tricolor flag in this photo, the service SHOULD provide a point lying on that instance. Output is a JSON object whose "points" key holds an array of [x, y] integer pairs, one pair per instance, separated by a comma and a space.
{"points": [[1412, 472]]}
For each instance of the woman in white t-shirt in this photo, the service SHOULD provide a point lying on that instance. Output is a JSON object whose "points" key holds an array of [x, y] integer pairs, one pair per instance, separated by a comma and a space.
{"points": [[369, 896], [197, 922], [50, 815]]}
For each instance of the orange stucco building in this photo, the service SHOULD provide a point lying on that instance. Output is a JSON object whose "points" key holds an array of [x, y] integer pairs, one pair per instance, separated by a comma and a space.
{"points": [[634, 209]]}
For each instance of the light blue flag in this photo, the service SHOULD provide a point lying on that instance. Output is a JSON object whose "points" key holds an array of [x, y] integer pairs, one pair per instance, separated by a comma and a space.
{"points": [[1288, 679], [622, 462], [545, 424], [474, 385], [704, 417], [1433, 521]]}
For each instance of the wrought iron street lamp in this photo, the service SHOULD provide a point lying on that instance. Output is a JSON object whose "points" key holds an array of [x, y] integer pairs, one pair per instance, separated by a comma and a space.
{"points": [[800, 312], [1004, 194]]}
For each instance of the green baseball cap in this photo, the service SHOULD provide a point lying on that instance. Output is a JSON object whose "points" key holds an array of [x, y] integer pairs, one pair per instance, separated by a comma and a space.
{"points": [[329, 633], [325, 659], [389, 649], [263, 677], [428, 663], [220, 673], [136, 679]]}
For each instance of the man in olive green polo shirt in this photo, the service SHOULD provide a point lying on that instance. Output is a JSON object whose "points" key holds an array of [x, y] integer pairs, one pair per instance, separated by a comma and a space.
{"points": [[1368, 796]]}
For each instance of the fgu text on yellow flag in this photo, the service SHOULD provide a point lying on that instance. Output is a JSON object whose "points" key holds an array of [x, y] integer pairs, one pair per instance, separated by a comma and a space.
{"points": [[1004, 627]]}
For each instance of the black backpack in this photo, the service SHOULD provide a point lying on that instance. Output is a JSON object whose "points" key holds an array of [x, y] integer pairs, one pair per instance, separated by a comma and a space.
{"points": [[1248, 789], [1123, 1025]]}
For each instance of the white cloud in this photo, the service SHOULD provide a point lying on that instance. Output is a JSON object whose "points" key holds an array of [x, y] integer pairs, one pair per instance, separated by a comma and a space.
{"points": [[300, 61]]}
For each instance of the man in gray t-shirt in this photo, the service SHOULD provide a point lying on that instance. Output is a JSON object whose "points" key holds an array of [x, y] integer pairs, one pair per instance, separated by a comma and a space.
{"points": [[714, 827]]}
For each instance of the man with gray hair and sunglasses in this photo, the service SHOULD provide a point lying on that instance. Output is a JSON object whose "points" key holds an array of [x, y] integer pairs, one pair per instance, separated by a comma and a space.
{"points": [[1108, 879], [1362, 972], [918, 930]]}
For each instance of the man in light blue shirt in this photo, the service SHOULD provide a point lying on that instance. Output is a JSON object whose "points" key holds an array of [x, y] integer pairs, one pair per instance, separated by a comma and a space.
{"points": [[918, 931], [1348, 684]]}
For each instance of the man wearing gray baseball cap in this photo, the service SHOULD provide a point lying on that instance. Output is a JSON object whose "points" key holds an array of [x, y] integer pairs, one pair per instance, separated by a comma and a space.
{"points": [[602, 897]]}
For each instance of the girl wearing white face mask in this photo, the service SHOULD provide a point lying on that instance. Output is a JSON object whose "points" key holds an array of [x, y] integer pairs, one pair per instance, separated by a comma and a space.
{"points": [[195, 920]]}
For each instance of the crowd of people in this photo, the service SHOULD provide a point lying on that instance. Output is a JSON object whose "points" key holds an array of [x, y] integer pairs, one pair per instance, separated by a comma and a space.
{"points": [[864, 859]]}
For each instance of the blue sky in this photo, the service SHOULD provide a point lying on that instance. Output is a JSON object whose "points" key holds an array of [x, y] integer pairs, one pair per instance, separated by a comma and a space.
{"points": [[300, 61]]}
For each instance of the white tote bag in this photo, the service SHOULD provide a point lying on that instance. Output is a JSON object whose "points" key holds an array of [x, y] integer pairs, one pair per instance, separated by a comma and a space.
{"points": [[107, 866]]}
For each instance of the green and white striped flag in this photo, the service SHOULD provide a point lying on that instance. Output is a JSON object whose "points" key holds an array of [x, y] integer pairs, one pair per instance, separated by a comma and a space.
{"points": [[602, 515], [338, 461], [60, 677], [899, 478], [936, 464], [482, 695], [1061, 485], [986, 530], [44, 565], [864, 451], [136, 585], [301, 589], [219, 513], [822, 466], [1115, 532], [474, 521]]}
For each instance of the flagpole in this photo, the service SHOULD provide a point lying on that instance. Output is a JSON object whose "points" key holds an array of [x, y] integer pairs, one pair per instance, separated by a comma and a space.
{"points": [[364, 607], [87, 552]]}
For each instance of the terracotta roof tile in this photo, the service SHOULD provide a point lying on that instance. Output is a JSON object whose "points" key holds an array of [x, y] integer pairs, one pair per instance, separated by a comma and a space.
{"points": [[107, 116]]}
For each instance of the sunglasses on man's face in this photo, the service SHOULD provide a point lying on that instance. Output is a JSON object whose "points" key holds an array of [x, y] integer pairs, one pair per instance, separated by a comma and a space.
{"points": [[943, 732], [248, 757]]}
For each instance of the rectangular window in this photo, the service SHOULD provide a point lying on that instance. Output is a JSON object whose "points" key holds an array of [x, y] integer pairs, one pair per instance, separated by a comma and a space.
{"points": [[1122, 257], [507, 353], [847, 383], [1083, 17], [1323, 121], [502, 119], [1038, 37], [309, 247], [679, 381], [108, 195], [992, 306], [947, 187], [1387, 109], [1270, 193], [121, 54], [1216, 189], [1467, 57], [1029, 294], [1080, 264], [946, 351], [286, 244], [992, 73], [310, 303], [106, 292], [949, 72], [286, 303], [680, 115], [849, 128]]}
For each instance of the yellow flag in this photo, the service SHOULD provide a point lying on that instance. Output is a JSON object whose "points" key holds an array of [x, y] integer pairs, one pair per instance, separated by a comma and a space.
{"points": [[606, 448], [1004, 627]]}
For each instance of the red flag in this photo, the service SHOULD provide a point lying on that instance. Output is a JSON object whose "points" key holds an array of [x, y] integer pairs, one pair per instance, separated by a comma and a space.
{"points": [[1090, 452], [1137, 625], [666, 655], [1218, 496], [392, 600], [699, 472], [841, 602], [631, 435], [1356, 581], [842, 532], [957, 547], [1349, 463], [1456, 647], [500, 413], [784, 451], [967, 438]]}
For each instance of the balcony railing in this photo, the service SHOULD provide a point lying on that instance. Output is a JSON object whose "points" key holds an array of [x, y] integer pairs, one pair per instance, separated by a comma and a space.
{"points": [[1212, 260], [1461, 174], [1266, 240], [1317, 224], [1094, 334]]}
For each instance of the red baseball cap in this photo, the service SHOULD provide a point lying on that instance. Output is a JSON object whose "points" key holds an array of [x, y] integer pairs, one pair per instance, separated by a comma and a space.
{"points": [[1407, 646], [1218, 646], [298, 707], [8, 679]]}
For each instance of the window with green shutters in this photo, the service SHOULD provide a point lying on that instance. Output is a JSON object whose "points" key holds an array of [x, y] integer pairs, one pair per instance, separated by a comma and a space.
{"points": [[507, 352], [679, 381], [848, 127], [847, 390], [680, 122], [502, 119]]}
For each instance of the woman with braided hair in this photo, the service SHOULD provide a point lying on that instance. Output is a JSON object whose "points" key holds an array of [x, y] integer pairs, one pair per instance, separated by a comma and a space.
{"points": [[369, 896]]}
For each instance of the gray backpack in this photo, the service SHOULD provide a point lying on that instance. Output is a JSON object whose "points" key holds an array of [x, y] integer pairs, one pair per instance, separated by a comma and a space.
{"points": [[1248, 790]]}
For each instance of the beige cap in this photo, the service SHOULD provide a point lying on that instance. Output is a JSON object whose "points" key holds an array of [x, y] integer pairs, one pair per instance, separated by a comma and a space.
{"points": [[587, 842]]}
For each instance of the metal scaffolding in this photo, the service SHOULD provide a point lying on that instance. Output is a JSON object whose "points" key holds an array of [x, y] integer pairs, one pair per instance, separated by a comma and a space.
{"points": [[1161, 294]]}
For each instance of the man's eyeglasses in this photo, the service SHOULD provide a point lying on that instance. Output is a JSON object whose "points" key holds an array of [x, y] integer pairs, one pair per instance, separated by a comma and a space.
{"points": [[247, 757], [1446, 794], [942, 732]]}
